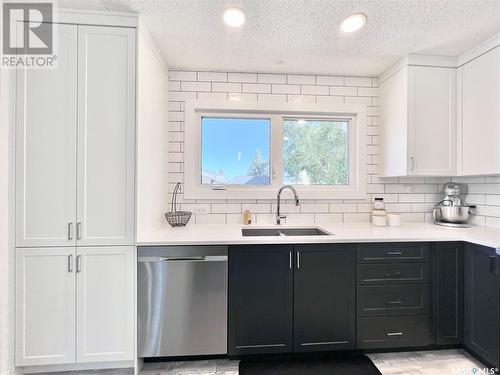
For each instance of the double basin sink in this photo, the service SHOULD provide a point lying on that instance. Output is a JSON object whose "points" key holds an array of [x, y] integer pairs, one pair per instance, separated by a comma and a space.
{"points": [[276, 232]]}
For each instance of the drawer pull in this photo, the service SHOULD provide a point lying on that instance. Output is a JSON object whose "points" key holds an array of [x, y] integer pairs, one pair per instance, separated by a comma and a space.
{"points": [[393, 253], [394, 333], [395, 274], [395, 302]]}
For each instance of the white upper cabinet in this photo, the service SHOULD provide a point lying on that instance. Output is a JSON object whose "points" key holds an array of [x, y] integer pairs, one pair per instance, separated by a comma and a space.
{"points": [[45, 306], [106, 136], [46, 148], [432, 138], [480, 92], [105, 304], [418, 122]]}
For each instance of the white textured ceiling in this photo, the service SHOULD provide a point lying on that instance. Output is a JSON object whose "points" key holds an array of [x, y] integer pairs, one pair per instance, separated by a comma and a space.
{"points": [[302, 36]]}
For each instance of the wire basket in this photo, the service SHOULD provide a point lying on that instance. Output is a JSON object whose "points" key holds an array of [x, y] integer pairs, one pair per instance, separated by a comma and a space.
{"points": [[177, 218]]}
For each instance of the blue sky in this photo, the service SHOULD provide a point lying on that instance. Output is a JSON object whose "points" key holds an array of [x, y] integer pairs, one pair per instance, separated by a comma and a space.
{"points": [[230, 144]]}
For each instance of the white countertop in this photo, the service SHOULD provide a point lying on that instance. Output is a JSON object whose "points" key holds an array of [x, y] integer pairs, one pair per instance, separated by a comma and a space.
{"points": [[230, 234]]}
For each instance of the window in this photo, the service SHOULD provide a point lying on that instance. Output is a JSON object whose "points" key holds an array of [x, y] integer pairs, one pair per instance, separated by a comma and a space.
{"points": [[316, 152], [247, 151], [235, 151]]}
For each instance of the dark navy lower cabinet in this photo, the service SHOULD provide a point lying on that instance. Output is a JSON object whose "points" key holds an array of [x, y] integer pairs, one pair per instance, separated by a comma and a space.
{"points": [[260, 299], [324, 298], [482, 303], [449, 293]]}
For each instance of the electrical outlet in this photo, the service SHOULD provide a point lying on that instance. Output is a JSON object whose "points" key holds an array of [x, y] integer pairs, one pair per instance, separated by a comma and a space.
{"points": [[409, 189], [200, 210]]}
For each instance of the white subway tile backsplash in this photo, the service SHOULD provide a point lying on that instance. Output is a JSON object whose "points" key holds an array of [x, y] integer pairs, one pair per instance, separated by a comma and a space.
{"points": [[343, 91], [330, 80], [272, 98], [257, 88], [179, 75], [285, 89], [330, 100], [242, 77], [212, 76], [196, 86], [271, 78], [241, 97], [414, 197], [301, 99], [367, 91], [301, 79], [212, 96], [358, 81], [226, 87], [315, 90]]}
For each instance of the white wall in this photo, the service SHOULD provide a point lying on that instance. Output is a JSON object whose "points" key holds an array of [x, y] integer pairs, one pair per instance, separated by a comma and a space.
{"points": [[152, 137], [414, 197]]}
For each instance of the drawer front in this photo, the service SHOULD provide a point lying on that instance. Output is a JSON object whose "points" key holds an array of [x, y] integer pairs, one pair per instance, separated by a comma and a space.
{"points": [[392, 253], [393, 332], [377, 274], [392, 300]]}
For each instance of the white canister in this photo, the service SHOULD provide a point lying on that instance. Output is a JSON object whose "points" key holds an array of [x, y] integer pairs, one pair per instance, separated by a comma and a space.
{"points": [[379, 221], [394, 220]]}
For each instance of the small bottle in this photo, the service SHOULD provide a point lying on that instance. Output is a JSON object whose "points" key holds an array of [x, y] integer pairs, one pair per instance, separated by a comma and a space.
{"points": [[247, 217], [378, 217], [378, 203]]}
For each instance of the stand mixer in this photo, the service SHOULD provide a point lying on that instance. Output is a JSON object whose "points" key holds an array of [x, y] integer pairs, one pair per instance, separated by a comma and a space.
{"points": [[452, 210]]}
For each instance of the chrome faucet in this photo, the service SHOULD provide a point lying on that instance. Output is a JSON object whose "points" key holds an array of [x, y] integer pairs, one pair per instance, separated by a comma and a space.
{"points": [[280, 216]]}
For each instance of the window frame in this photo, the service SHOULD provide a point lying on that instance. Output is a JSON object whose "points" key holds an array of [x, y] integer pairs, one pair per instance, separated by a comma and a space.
{"points": [[195, 110]]}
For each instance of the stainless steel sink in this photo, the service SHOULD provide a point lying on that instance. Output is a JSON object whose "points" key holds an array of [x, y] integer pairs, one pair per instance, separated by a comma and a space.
{"points": [[304, 231]]}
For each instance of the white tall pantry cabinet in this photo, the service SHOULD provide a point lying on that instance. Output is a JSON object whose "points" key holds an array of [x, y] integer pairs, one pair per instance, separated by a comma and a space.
{"points": [[75, 199]]}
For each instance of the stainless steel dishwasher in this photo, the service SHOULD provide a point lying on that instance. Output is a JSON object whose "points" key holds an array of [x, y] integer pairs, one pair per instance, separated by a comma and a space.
{"points": [[182, 300]]}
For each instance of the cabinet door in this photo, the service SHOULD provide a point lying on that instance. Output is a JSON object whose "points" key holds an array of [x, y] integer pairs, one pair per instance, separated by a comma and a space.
{"points": [[481, 114], [45, 306], [105, 304], [449, 293], [106, 131], [260, 299], [432, 146], [482, 299], [324, 297], [46, 148]]}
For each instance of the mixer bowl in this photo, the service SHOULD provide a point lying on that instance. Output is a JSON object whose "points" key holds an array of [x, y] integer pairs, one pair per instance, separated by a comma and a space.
{"points": [[451, 214]]}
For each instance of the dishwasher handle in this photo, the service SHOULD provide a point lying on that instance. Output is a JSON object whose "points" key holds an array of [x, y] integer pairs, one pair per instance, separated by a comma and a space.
{"points": [[209, 258]]}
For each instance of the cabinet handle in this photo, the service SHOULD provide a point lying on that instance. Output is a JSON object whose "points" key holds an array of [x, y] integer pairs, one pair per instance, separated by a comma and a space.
{"points": [[393, 253], [394, 333], [298, 260], [395, 302], [396, 274], [78, 231], [290, 259], [412, 163], [70, 231], [493, 265], [70, 263], [78, 263]]}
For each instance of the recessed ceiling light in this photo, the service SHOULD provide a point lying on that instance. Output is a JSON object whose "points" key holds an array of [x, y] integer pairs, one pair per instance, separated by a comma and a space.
{"points": [[234, 17], [353, 23]]}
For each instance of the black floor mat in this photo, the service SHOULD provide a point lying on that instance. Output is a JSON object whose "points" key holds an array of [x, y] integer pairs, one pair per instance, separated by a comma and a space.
{"points": [[328, 365]]}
